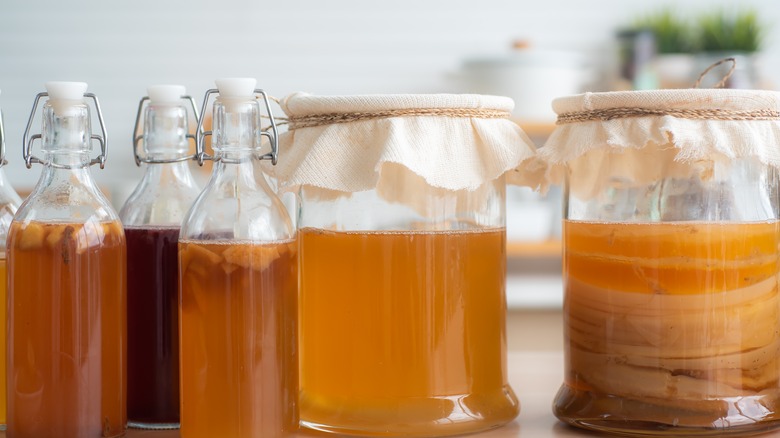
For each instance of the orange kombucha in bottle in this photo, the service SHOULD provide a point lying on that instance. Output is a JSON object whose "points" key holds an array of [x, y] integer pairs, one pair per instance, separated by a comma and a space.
{"points": [[238, 311], [66, 362]]}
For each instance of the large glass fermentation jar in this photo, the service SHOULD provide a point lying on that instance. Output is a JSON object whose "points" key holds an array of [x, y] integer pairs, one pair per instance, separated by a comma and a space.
{"points": [[402, 240], [151, 217], [671, 305], [9, 203], [238, 264], [66, 285]]}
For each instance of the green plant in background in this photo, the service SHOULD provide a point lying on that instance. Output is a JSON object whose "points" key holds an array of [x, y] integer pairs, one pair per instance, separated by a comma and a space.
{"points": [[672, 34], [722, 31]]}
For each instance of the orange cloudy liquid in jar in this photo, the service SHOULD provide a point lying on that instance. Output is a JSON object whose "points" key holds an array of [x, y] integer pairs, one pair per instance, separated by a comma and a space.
{"points": [[403, 327], [238, 353], [673, 322], [67, 318]]}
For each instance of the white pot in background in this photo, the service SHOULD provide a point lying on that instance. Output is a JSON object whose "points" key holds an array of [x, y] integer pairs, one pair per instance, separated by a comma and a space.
{"points": [[675, 70], [533, 78]]}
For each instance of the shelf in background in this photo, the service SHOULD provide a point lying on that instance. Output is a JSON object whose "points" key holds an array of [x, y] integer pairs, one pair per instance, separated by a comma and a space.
{"points": [[544, 248]]}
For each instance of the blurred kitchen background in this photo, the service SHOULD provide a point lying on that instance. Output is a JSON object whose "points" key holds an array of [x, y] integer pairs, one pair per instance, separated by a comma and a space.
{"points": [[530, 51]]}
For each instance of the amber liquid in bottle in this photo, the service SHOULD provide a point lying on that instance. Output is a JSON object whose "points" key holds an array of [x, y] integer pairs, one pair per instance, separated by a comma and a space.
{"points": [[404, 328], [153, 324], [3, 339], [66, 315], [671, 325], [239, 357]]}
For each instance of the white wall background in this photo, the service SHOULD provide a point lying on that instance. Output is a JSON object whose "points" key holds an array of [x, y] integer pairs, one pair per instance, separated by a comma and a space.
{"points": [[328, 47]]}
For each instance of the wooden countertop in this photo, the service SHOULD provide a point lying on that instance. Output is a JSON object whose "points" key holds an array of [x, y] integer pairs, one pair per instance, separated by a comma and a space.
{"points": [[535, 377]]}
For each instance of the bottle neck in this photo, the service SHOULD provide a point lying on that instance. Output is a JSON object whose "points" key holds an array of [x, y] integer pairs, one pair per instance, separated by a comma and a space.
{"points": [[66, 136], [236, 142], [236, 128], [66, 128], [165, 132]]}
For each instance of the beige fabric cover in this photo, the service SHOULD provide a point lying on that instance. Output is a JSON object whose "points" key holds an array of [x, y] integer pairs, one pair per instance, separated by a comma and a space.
{"points": [[448, 153], [649, 148]]}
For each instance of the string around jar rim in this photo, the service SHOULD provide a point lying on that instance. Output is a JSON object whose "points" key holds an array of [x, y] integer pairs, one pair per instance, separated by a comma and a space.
{"points": [[639, 110]]}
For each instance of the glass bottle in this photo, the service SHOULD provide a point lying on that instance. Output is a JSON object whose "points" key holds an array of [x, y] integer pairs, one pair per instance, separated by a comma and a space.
{"points": [[9, 203], [239, 284], [66, 285], [403, 307], [671, 301], [152, 217]]}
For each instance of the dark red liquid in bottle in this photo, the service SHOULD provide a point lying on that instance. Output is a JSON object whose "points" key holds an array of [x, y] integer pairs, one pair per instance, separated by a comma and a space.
{"points": [[152, 326]]}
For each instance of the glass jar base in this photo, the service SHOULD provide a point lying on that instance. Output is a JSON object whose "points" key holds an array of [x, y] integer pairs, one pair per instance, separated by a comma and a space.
{"points": [[152, 426], [628, 417], [414, 417]]}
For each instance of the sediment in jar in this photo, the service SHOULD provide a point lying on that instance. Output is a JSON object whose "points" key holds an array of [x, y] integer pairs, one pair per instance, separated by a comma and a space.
{"points": [[680, 318], [239, 372]]}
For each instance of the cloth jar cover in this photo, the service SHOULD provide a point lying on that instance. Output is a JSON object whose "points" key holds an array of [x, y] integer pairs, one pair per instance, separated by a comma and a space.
{"points": [[684, 131], [344, 144]]}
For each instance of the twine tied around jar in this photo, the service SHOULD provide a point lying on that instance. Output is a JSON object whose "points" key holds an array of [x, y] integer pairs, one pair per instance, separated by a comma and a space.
{"points": [[312, 120], [694, 114], [308, 121]]}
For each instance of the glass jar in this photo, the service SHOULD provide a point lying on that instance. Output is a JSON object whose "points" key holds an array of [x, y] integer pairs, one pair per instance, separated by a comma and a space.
{"points": [[403, 301], [9, 203], [671, 302], [66, 285], [238, 259], [152, 216]]}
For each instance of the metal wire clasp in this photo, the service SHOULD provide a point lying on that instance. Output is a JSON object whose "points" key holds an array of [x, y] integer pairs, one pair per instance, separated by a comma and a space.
{"points": [[27, 140], [137, 138], [273, 136]]}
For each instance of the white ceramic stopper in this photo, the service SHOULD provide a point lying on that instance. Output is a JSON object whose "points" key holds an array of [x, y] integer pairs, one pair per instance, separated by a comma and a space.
{"points": [[65, 96], [59, 90], [236, 87], [165, 93]]}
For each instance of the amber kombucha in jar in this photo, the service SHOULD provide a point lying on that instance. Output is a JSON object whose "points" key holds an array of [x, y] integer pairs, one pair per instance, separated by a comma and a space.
{"points": [[392, 294]]}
